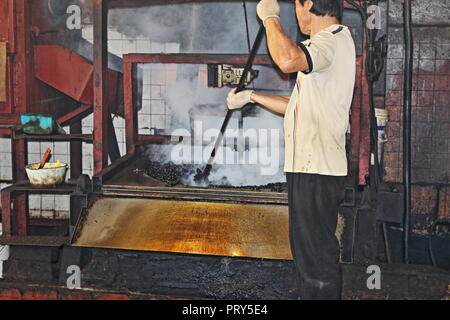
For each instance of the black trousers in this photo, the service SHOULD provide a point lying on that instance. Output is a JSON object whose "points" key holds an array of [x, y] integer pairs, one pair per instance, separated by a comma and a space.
{"points": [[313, 208]]}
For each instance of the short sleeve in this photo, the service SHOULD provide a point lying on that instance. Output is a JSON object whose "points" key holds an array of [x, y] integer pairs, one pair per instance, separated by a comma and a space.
{"points": [[319, 51]]}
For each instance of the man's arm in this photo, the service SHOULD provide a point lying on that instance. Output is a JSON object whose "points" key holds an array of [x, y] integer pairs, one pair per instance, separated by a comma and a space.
{"points": [[285, 53], [277, 104], [274, 103]]}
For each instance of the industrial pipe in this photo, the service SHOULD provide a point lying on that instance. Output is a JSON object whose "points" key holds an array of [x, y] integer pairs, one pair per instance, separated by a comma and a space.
{"points": [[407, 96]]}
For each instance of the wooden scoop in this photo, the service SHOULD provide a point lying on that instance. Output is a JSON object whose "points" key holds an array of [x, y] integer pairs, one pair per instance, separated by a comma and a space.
{"points": [[45, 158]]}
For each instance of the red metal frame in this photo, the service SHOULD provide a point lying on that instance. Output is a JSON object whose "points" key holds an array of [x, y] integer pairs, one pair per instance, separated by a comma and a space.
{"points": [[364, 127], [101, 111], [78, 113], [129, 60], [360, 140], [112, 4], [360, 122], [21, 93], [15, 222], [360, 115], [20, 99]]}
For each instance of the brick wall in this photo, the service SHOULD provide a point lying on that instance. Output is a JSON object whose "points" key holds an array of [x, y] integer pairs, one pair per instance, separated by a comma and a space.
{"points": [[430, 108], [25, 292]]}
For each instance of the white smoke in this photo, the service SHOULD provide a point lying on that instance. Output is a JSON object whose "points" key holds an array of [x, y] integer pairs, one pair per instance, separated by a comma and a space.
{"points": [[209, 27], [212, 28]]}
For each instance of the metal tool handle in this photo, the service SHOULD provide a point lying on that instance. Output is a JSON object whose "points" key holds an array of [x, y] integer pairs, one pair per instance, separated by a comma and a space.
{"points": [[240, 87], [251, 58]]}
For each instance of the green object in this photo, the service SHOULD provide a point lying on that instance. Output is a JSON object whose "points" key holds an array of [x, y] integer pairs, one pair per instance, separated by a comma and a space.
{"points": [[37, 123]]}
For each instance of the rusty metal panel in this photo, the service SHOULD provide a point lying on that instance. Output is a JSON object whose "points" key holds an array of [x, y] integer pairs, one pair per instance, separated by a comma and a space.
{"points": [[6, 211], [64, 70], [143, 3], [364, 127], [100, 63], [355, 116], [70, 73], [75, 115], [203, 58], [211, 228], [130, 113], [2, 71], [20, 100], [4, 21]]}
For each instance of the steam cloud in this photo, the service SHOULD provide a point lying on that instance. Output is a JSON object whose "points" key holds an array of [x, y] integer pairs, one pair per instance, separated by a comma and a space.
{"points": [[210, 28]]}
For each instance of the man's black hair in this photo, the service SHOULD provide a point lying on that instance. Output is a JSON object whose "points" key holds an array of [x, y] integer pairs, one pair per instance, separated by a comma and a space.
{"points": [[332, 8]]}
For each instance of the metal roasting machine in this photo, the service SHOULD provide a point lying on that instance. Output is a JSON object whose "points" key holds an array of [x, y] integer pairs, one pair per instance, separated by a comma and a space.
{"points": [[123, 206]]}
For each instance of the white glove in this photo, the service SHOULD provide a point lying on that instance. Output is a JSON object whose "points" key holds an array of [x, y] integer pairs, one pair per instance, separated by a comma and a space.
{"points": [[268, 9], [238, 100]]}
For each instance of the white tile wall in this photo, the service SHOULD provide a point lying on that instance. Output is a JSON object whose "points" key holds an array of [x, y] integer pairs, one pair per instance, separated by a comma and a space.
{"points": [[4, 185], [155, 77], [5, 159]]}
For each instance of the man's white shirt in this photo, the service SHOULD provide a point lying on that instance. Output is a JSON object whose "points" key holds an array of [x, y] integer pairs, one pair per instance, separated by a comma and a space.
{"points": [[317, 116]]}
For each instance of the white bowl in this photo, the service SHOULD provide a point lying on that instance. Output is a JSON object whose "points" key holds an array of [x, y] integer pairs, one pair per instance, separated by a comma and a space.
{"points": [[46, 176]]}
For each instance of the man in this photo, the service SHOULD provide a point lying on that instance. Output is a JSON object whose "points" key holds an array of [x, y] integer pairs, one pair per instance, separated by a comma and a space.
{"points": [[316, 118]]}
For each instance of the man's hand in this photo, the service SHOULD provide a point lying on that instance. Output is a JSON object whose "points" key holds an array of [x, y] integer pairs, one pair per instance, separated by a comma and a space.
{"points": [[268, 9], [238, 100]]}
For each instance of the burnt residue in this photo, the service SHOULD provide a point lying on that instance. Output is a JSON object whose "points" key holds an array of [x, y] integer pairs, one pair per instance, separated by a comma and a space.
{"points": [[193, 276], [210, 277]]}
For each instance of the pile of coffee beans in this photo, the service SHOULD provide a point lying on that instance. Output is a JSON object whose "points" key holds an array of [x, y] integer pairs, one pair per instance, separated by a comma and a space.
{"points": [[175, 174], [168, 172], [271, 187]]}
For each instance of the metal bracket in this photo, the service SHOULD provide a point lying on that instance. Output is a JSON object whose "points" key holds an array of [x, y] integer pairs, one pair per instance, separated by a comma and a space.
{"points": [[220, 75]]}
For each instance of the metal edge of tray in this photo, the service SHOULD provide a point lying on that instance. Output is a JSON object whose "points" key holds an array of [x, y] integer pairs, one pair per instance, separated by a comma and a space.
{"points": [[193, 193]]}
